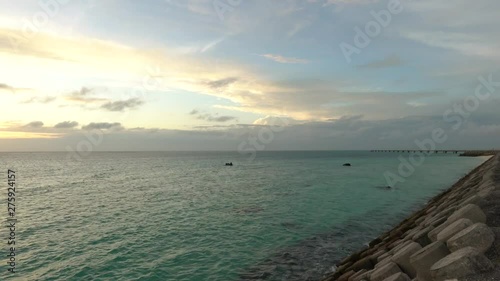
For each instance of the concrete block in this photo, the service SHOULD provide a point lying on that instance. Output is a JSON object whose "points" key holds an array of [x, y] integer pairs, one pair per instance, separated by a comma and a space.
{"points": [[479, 236], [398, 277], [402, 258], [453, 229], [379, 274], [471, 212], [426, 257], [464, 262]]}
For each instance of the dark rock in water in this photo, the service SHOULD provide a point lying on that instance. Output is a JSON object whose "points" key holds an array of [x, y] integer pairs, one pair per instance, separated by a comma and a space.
{"points": [[229, 164], [347, 165]]}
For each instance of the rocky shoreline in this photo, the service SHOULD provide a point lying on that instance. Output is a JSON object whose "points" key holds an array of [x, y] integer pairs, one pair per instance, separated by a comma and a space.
{"points": [[456, 236]]}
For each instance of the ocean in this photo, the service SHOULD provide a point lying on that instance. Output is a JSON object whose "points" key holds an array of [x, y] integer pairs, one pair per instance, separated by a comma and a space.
{"points": [[186, 216]]}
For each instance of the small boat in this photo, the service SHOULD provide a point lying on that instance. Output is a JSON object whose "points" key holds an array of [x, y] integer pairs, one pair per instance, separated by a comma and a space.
{"points": [[229, 164], [347, 165]]}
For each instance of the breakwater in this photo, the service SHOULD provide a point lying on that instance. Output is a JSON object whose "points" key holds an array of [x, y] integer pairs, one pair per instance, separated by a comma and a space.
{"points": [[456, 236]]}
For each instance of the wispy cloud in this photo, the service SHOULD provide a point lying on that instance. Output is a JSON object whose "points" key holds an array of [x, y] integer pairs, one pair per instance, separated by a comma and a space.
{"points": [[132, 103], [464, 43], [34, 125], [10, 88], [211, 45], [103, 126], [84, 96], [212, 117], [390, 61], [283, 59], [66, 125], [43, 100], [5, 87], [220, 83]]}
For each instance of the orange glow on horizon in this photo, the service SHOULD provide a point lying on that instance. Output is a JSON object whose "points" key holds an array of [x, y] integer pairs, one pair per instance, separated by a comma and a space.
{"points": [[27, 135]]}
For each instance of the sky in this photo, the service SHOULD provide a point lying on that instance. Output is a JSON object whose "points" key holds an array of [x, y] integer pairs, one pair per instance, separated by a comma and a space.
{"points": [[248, 75]]}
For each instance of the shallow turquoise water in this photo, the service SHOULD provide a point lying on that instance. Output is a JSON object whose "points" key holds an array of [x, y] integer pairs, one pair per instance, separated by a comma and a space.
{"points": [[185, 216]]}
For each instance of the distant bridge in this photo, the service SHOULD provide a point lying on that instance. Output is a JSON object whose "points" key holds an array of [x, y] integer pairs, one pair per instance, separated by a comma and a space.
{"points": [[444, 151]]}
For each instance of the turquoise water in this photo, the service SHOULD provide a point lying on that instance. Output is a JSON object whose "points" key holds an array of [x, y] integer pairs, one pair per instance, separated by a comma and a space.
{"points": [[185, 216]]}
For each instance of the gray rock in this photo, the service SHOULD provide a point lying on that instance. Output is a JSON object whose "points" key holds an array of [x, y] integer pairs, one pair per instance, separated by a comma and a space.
{"points": [[438, 221], [395, 244], [374, 257], [425, 258], [383, 257], [471, 212], [400, 246], [448, 211], [364, 263], [384, 262], [433, 233], [485, 193], [474, 199], [420, 220], [362, 277], [398, 277], [479, 236], [344, 266], [356, 274], [379, 274], [422, 237], [346, 276], [453, 229], [402, 258], [464, 262]]}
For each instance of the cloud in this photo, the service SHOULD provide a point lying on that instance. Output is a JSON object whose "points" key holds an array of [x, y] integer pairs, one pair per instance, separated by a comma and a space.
{"points": [[390, 61], [467, 44], [198, 48], [220, 118], [103, 126], [212, 118], [5, 87], [12, 89], [282, 59], [40, 100], [66, 125], [132, 103], [211, 45], [83, 96], [222, 82], [34, 125]]}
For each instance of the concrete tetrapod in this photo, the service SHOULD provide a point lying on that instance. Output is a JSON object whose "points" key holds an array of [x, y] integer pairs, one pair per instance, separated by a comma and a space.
{"points": [[379, 274], [479, 236], [402, 258], [464, 262], [398, 277], [453, 228], [428, 256], [471, 212]]}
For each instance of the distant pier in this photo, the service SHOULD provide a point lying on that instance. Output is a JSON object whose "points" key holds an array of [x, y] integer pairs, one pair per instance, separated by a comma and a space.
{"points": [[443, 151]]}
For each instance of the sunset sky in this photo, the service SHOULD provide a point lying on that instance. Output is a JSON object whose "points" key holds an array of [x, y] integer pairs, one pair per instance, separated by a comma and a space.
{"points": [[205, 75]]}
